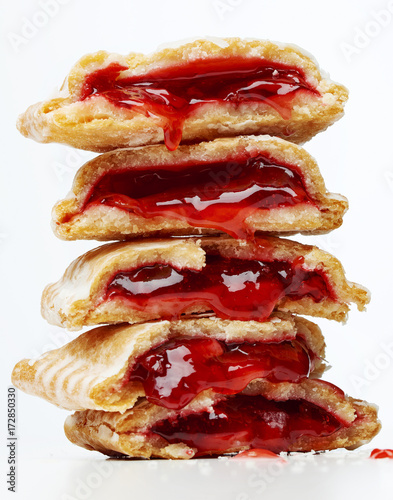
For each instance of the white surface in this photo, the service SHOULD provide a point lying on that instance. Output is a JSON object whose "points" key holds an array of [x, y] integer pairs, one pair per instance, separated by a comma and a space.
{"points": [[355, 159], [323, 477]]}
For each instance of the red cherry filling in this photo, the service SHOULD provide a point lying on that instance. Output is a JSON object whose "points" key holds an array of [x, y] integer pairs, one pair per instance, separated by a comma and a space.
{"points": [[217, 195], [252, 421], [175, 372], [172, 94], [232, 288]]}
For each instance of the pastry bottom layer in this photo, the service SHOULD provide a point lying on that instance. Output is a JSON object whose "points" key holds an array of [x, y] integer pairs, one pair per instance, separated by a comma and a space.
{"points": [[323, 418]]}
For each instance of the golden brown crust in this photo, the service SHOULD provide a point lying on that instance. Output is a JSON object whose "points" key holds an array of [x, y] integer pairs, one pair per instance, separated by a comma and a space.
{"points": [[77, 299], [97, 125], [90, 371], [100, 222], [127, 434]]}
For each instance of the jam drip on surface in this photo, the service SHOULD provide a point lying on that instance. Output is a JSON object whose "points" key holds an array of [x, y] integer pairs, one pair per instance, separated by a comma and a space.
{"points": [[257, 453], [232, 288], [175, 372], [217, 195], [252, 421], [171, 94], [385, 453]]}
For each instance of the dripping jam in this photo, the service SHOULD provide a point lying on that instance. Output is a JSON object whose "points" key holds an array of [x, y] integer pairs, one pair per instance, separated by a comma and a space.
{"points": [[219, 195], [257, 453], [384, 453], [248, 421], [176, 371], [170, 95], [232, 288]]}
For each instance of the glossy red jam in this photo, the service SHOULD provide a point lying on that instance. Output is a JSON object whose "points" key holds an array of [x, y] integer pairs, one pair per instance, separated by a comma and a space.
{"points": [[231, 288], [175, 372], [250, 421], [215, 195], [256, 453], [377, 453], [171, 94]]}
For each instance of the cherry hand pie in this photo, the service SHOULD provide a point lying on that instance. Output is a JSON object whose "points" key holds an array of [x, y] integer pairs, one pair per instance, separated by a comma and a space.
{"points": [[311, 415], [237, 186], [197, 91], [172, 363], [164, 279]]}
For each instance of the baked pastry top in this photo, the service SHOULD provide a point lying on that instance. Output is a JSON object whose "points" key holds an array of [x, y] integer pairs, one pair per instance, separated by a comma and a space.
{"points": [[101, 369], [311, 415], [236, 185], [162, 279], [111, 101]]}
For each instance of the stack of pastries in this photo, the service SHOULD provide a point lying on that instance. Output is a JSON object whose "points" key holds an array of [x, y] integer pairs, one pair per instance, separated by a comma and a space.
{"points": [[203, 350]]}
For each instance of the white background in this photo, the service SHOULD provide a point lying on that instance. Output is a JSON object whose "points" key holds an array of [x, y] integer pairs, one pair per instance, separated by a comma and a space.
{"points": [[354, 156]]}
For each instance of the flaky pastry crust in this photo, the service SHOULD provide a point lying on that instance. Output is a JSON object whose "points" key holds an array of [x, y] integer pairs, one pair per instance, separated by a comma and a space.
{"points": [[97, 125], [127, 434], [91, 371], [71, 220], [77, 299]]}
